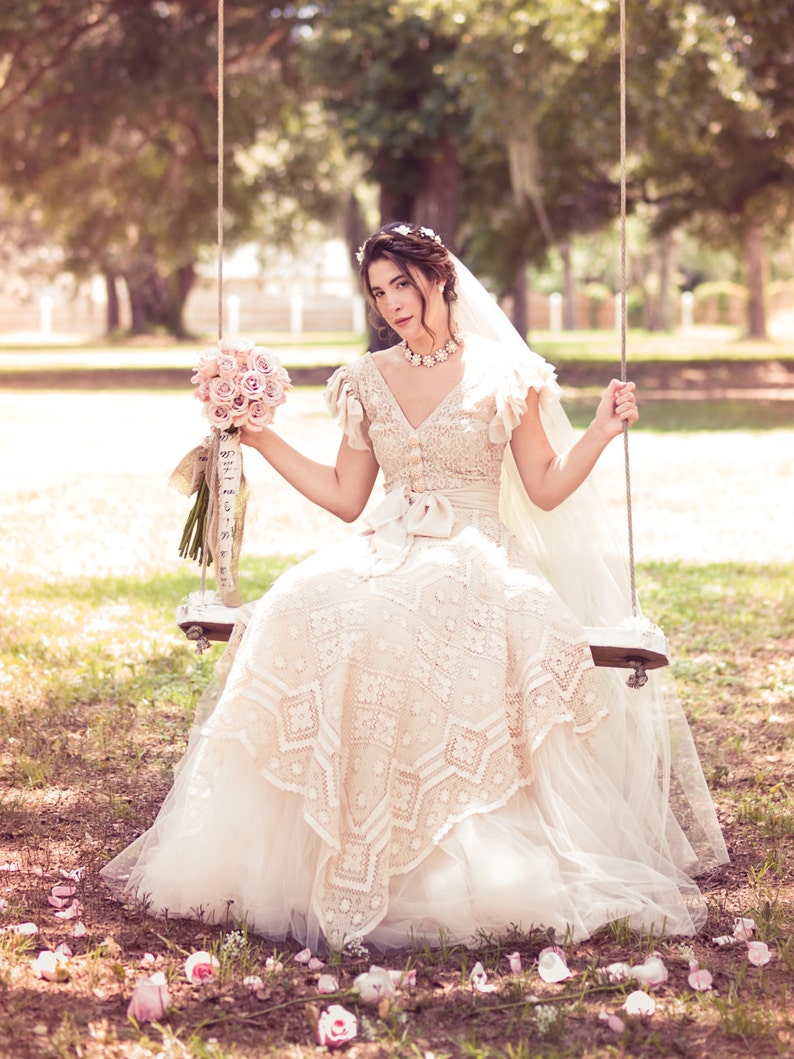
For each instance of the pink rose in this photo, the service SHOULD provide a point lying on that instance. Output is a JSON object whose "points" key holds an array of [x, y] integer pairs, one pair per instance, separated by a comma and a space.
{"points": [[273, 391], [149, 1000], [199, 967], [260, 415], [218, 415], [261, 360], [251, 384], [223, 391], [336, 1026], [227, 366], [239, 348], [202, 391], [207, 367]]}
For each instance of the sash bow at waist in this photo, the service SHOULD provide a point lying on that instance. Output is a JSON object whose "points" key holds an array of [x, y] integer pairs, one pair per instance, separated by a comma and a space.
{"points": [[405, 514]]}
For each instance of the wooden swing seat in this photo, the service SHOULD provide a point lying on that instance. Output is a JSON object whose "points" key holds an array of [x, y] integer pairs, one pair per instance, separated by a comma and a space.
{"points": [[617, 648]]}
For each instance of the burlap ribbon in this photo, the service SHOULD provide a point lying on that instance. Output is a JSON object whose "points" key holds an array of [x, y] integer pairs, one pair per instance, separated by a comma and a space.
{"points": [[219, 459]]}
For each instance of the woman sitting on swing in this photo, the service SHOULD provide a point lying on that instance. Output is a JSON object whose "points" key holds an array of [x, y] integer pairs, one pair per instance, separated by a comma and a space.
{"points": [[411, 739]]}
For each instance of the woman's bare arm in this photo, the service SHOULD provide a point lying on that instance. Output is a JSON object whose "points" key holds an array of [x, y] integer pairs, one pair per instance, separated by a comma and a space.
{"points": [[549, 477], [342, 489]]}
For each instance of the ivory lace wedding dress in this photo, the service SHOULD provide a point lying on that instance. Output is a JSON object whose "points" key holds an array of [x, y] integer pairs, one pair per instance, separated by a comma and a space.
{"points": [[411, 737]]}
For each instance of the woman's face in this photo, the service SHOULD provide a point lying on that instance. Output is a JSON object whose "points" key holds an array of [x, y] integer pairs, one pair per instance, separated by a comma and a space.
{"points": [[400, 303]]}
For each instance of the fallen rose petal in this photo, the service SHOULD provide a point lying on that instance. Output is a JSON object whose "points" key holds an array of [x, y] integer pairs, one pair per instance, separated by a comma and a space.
{"points": [[652, 972], [303, 956], [725, 939], [79, 930], [74, 911], [149, 1000], [552, 966], [37, 871], [616, 972], [9, 865], [147, 960], [758, 953], [743, 928], [403, 979], [51, 966], [75, 875], [25, 929], [639, 1003], [63, 949], [200, 967], [335, 1026], [514, 959], [58, 902], [699, 980], [253, 982], [273, 965], [479, 979], [374, 985], [326, 983], [614, 1022], [315, 964], [63, 890]]}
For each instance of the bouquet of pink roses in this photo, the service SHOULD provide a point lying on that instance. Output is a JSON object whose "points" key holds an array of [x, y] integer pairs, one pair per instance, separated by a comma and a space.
{"points": [[240, 384]]}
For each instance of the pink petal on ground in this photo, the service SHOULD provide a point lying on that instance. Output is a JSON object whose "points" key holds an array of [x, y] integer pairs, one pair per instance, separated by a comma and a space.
{"points": [[639, 1003], [552, 966], [374, 985], [725, 939], [51, 966], [25, 929], [253, 982], [9, 865], [652, 972], [479, 979], [303, 956], [616, 972], [63, 890], [58, 902], [79, 930], [614, 1022], [758, 953], [326, 983], [743, 928], [74, 911], [147, 960], [272, 964], [699, 980], [315, 964], [514, 959]]}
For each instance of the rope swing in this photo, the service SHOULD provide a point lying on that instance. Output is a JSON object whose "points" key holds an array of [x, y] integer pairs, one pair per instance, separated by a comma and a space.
{"points": [[637, 644]]}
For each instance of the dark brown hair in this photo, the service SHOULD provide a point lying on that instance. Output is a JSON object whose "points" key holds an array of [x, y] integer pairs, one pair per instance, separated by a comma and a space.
{"points": [[411, 248]]}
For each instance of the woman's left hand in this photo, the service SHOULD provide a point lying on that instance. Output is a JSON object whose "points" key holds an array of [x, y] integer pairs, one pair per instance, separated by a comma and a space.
{"points": [[618, 405]]}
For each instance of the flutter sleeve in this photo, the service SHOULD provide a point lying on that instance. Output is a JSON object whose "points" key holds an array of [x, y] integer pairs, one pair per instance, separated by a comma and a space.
{"points": [[344, 404], [532, 372]]}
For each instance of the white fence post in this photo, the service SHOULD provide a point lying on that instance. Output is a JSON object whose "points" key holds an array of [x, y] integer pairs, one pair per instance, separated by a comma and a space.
{"points": [[45, 314], [687, 310], [296, 314], [555, 313], [233, 306]]}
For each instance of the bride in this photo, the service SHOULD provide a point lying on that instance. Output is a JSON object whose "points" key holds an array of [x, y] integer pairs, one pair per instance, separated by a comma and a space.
{"points": [[408, 737]]}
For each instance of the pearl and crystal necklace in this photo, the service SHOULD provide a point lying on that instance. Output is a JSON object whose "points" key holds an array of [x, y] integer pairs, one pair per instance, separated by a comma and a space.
{"points": [[432, 359]]}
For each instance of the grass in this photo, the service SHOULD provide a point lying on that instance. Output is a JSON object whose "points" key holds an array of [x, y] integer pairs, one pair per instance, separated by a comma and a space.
{"points": [[95, 704]]}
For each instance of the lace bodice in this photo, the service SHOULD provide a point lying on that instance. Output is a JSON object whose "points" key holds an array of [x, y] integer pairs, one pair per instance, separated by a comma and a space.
{"points": [[459, 445]]}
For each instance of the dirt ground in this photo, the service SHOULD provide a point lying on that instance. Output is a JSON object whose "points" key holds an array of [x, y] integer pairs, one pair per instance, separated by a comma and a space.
{"points": [[89, 499]]}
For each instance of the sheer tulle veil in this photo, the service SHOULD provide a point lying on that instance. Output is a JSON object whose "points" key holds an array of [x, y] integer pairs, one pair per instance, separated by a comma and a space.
{"points": [[646, 740]]}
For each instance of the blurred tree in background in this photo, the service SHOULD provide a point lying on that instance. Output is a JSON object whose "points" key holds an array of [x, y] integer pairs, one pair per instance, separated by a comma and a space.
{"points": [[494, 121]]}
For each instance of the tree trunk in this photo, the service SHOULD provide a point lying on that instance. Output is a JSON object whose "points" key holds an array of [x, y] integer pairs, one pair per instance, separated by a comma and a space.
{"points": [[663, 320], [113, 312], [520, 314], [437, 202], [157, 301], [755, 276], [568, 289]]}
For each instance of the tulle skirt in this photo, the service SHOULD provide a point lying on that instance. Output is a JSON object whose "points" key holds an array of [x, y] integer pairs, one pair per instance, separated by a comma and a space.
{"points": [[424, 754]]}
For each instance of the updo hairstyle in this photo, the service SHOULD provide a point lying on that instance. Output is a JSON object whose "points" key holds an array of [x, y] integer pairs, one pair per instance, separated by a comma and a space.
{"points": [[411, 249]]}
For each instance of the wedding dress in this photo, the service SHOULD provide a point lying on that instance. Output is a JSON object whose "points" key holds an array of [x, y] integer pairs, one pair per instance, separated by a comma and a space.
{"points": [[409, 738]]}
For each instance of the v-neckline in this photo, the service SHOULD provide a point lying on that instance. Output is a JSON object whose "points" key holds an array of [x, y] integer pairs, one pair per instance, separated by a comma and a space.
{"points": [[399, 407]]}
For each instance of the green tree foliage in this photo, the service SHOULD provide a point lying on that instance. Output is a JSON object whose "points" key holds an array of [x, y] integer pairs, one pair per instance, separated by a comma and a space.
{"points": [[108, 134]]}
